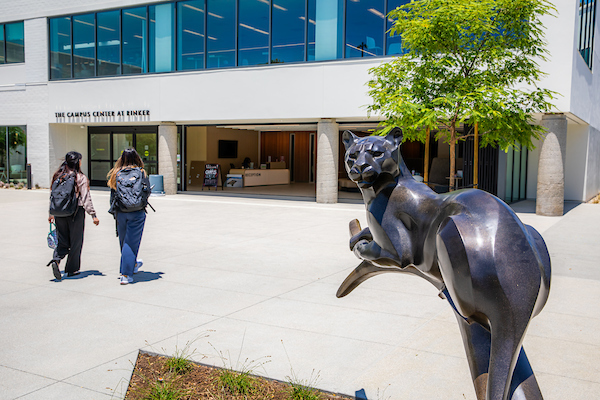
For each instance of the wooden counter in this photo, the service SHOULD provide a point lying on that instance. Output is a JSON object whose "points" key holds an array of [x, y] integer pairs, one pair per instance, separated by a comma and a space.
{"points": [[263, 177]]}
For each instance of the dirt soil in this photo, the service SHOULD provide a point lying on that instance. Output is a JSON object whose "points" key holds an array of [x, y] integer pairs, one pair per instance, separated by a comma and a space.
{"points": [[202, 382]]}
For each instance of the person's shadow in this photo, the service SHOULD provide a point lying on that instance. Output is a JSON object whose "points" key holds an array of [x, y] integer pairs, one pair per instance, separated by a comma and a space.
{"points": [[146, 276], [81, 275]]}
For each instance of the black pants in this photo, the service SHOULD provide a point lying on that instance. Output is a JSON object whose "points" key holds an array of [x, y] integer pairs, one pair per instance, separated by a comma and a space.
{"points": [[70, 239]]}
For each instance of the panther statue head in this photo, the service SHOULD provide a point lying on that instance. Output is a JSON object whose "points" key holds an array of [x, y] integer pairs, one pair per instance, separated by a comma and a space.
{"points": [[369, 158]]}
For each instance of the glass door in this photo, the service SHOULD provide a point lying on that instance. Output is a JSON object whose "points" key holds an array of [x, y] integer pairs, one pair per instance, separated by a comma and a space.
{"points": [[121, 141], [100, 160], [147, 149], [106, 144]]}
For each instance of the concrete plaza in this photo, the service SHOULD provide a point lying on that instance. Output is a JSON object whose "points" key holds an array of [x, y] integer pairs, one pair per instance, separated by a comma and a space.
{"points": [[255, 279]]}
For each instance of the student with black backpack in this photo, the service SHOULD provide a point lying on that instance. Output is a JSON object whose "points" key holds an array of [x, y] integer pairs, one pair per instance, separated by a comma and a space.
{"points": [[70, 199], [130, 189]]}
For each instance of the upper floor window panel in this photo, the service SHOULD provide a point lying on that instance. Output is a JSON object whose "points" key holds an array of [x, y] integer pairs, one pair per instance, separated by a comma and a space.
{"points": [[12, 43], [253, 32], [198, 34], [364, 34], [108, 39], [587, 23], [191, 20], [288, 31], [221, 33], [84, 46]]}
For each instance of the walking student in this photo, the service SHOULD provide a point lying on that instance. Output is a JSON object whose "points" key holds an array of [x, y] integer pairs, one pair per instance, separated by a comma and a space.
{"points": [[130, 189], [70, 199]]}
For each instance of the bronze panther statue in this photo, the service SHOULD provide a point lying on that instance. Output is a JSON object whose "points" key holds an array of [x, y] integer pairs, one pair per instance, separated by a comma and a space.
{"points": [[493, 269]]}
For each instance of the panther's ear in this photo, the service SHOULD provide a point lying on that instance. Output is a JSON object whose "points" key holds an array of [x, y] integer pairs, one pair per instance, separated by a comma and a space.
{"points": [[348, 138], [395, 136]]}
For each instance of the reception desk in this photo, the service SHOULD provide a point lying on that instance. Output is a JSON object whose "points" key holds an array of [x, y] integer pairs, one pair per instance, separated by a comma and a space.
{"points": [[262, 177]]}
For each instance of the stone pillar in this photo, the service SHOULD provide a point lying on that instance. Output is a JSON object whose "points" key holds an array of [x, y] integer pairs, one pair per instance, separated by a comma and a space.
{"points": [[327, 161], [167, 156], [551, 176]]}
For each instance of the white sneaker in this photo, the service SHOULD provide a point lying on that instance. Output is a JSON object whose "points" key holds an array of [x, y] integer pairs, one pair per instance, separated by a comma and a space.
{"points": [[138, 265], [126, 279]]}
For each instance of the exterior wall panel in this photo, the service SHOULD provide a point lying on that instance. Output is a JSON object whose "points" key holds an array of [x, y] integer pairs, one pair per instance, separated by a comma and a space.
{"points": [[592, 172]]}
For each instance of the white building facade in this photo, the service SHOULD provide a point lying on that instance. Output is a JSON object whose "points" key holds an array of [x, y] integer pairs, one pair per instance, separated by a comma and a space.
{"points": [[172, 78]]}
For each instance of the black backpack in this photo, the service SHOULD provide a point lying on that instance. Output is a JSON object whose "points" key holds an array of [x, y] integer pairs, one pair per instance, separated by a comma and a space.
{"points": [[133, 190], [63, 197]]}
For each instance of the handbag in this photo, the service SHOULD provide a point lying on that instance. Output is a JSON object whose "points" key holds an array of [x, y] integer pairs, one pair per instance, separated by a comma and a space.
{"points": [[52, 238]]}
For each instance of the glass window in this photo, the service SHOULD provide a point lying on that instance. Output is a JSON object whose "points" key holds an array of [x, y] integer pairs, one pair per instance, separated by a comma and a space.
{"points": [[17, 156], [190, 25], [15, 42], [162, 37], [289, 20], [325, 29], [121, 141], [587, 22], [99, 170], [60, 48], [2, 58], [109, 43], [146, 146], [134, 41], [99, 146], [253, 32], [220, 37], [393, 41], [365, 24], [3, 163], [84, 46]]}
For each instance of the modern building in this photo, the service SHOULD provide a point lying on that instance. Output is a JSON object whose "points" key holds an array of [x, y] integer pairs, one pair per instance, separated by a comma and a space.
{"points": [[196, 82]]}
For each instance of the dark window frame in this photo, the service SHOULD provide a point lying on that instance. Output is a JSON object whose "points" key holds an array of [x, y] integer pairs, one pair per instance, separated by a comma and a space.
{"points": [[5, 42], [111, 130], [587, 24], [177, 37]]}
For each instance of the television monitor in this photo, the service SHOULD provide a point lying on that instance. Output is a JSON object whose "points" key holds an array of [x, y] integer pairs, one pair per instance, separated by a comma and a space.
{"points": [[228, 148]]}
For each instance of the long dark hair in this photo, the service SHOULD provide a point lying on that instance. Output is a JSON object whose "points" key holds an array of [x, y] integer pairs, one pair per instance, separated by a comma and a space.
{"points": [[69, 165], [129, 158]]}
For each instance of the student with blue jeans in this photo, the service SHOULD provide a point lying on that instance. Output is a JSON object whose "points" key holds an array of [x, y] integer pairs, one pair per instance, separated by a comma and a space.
{"points": [[130, 225]]}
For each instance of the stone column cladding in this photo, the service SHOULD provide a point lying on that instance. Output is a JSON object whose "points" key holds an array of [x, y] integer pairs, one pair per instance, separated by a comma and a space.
{"points": [[167, 156], [551, 177], [327, 161]]}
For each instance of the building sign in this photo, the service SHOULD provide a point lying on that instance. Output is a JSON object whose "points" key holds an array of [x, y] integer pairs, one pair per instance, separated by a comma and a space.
{"points": [[102, 116]]}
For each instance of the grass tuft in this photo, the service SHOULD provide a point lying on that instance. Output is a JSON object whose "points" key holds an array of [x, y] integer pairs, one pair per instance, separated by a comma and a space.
{"points": [[237, 382], [300, 391], [178, 365], [165, 390]]}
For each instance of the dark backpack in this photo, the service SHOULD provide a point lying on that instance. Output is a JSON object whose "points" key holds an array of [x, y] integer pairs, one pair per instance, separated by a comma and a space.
{"points": [[133, 190], [63, 196]]}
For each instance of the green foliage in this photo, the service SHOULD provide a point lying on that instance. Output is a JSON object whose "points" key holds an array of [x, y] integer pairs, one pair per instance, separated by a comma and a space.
{"points": [[178, 365], [164, 391], [466, 61], [303, 390], [237, 382]]}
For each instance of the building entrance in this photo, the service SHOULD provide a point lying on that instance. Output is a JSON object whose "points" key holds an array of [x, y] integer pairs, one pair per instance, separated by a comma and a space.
{"points": [[107, 143]]}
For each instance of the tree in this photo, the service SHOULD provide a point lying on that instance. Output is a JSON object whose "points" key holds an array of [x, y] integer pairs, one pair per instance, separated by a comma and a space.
{"points": [[471, 61]]}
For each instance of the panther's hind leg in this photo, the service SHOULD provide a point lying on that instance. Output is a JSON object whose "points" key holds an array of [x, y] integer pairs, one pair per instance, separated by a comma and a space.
{"points": [[524, 386], [507, 335], [476, 340]]}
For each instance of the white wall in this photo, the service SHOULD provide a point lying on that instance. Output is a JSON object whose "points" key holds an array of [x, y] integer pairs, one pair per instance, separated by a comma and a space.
{"points": [[11, 74], [268, 94], [560, 36], [65, 138], [577, 141], [576, 164], [592, 173]]}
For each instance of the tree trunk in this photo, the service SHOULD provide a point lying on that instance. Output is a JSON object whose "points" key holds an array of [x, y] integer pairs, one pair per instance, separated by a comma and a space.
{"points": [[452, 154]]}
